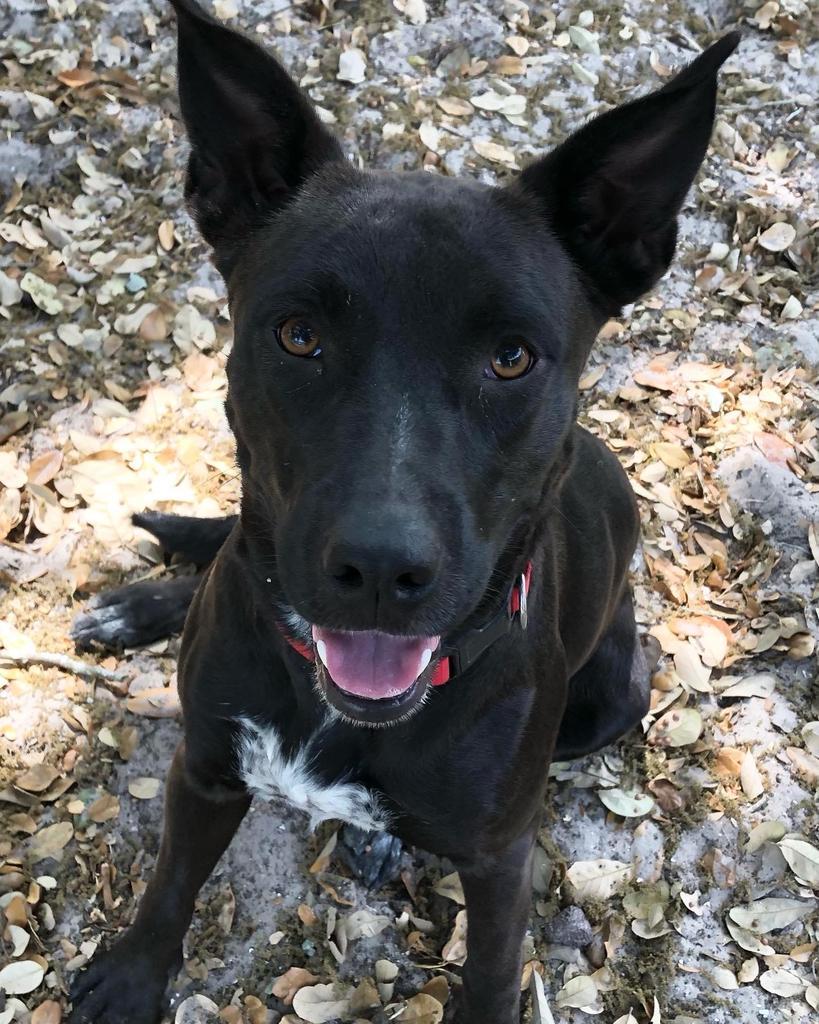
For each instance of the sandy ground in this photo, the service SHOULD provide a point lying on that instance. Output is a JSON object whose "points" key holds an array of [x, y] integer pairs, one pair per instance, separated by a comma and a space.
{"points": [[111, 381]]}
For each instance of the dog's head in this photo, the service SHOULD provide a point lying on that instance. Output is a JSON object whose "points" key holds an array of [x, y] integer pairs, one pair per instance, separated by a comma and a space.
{"points": [[407, 347]]}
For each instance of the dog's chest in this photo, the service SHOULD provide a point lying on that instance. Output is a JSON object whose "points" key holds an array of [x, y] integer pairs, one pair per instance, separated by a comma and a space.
{"points": [[270, 774]]}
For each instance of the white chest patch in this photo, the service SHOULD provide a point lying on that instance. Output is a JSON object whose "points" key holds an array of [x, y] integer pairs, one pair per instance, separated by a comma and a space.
{"points": [[268, 774]]}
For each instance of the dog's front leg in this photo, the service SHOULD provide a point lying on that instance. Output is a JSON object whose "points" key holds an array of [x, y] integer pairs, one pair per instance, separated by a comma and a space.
{"points": [[126, 985], [498, 899]]}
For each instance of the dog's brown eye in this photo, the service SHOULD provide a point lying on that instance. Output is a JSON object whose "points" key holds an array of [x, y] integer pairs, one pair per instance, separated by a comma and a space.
{"points": [[512, 360], [298, 338]]}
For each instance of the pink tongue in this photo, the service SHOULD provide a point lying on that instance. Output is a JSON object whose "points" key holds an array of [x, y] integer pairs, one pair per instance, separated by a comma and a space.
{"points": [[372, 664]]}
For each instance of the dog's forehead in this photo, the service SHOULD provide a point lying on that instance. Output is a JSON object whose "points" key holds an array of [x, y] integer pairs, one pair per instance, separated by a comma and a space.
{"points": [[423, 217], [413, 228]]}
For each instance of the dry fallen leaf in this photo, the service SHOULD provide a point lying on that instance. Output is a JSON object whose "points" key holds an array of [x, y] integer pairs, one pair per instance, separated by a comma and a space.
{"points": [[36, 779], [771, 914], [197, 1009], [48, 1012], [724, 978], [678, 728], [766, 832], [581, 991], [598, 879], [783, 982], [455, 106], [165, 235], [802, 858], [320, 1004], [352, 66], [21, 977], [450, 887], [761, 684], [364, 924], [494, 152], [19, 939], [628, 804], [422, 1009], [454, 952], [322, 862], [50, 841], [541, 1013], [104, 808], [286, 986], [751, 778], [144, 788], [155, 702], [777, 237], [307, 915], [747, 940]]}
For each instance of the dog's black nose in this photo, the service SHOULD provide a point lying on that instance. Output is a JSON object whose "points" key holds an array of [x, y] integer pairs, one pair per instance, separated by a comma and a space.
{"points": [[376, 565]]}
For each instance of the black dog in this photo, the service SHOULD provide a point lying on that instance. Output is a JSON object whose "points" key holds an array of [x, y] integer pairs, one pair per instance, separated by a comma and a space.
{"points": [[425, 597]]}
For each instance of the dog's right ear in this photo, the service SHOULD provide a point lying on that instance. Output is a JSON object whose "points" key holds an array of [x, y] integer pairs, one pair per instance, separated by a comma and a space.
{"points": [[254, 135]]}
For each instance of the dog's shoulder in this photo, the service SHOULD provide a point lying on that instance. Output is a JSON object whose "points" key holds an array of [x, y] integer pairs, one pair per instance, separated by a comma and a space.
{"points": [[597, 488]]}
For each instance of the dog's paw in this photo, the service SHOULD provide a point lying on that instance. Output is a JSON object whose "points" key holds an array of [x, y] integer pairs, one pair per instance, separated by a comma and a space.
{"points": [[109, 621], [135, 615], [373, 857], [122, 986]]}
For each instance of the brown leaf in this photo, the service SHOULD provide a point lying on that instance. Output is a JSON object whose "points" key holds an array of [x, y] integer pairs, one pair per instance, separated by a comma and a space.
{"points": [[660, 380], [16, 911], [669, 798], [454, 952], [155, 702], [45, 467], [673, 455], [423, 1009], [365, 997], [48, 1012], [728, 762], [286, 986], [36, 779], [494, 152], [154, 326], [806, 764], [774, 448], [76, 78], [322, 862], [50, 841], [307, 915], [508, 65], [105, 808], [438, 988], [455, 106]]}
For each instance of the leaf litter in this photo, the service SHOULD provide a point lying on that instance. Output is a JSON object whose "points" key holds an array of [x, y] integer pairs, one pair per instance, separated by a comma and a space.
{"points": [[692, 850]]}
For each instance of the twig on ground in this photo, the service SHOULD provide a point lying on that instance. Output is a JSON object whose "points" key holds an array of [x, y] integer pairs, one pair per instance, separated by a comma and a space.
{"points": [[65, 662]]}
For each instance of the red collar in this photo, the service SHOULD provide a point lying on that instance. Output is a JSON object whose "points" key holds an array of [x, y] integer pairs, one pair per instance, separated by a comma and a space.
{"points": [[463, 650]]}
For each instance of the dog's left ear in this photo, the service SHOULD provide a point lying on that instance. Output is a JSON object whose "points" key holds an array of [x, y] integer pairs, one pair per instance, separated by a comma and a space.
{"points": [[613, 190], [254, 135]]}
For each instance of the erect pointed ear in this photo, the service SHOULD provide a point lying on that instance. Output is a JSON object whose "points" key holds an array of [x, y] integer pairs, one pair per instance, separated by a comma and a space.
{"points": [[254, 135], [613, 190]]}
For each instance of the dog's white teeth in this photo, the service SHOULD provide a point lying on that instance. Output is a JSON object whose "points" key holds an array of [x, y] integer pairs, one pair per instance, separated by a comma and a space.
{"points": [[321, 647], [426, 658]]}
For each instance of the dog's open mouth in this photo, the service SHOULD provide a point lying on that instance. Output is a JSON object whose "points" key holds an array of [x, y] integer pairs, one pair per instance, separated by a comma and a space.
{"points": [[371, 665]]}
